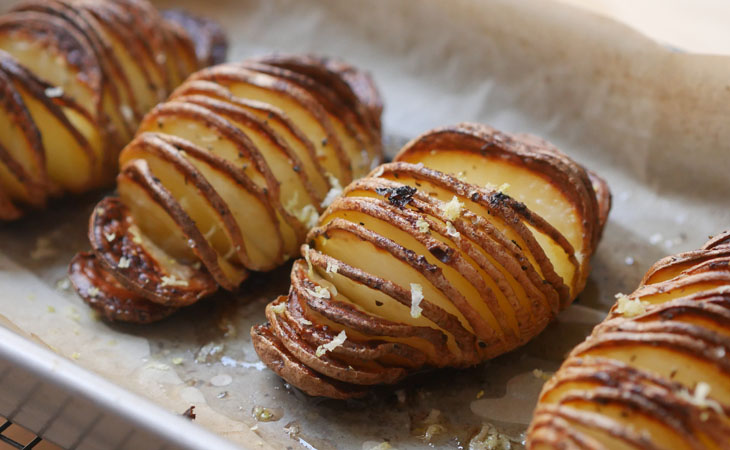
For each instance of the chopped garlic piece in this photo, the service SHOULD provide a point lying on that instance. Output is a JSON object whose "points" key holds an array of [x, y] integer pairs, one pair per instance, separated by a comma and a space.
{"points": [[422, 225], [305, 250], [127, 112], [450, 230], [53, 92], [489, 438], [303, 321], [503, 187], [136, 237], [279, 308], [416, 298], [331, 345], [699, 397], [308, 216], [75, 355], [319, 292], [110, 236], [334, 192], [124, 262], [541, 374], [452, 209], [629, 307], [332, 267], [177, 361], [94, 291], [172, 281]]}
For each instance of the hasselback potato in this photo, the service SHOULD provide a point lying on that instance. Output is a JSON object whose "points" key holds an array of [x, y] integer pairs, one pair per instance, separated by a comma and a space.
{"points": [[462, 249], [76, 77], [226, 177], [655, 374]]}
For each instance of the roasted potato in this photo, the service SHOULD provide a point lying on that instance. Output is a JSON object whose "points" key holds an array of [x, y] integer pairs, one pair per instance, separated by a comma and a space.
{"points": [[226, 177], [462, 249], [655, 374], [77, 76]]}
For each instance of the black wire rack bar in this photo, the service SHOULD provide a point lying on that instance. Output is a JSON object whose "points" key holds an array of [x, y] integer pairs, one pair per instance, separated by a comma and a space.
{"points": [[3, 438]]}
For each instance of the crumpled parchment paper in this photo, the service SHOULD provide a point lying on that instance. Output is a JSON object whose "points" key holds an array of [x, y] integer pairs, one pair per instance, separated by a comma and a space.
{"points": [[652, 120]]}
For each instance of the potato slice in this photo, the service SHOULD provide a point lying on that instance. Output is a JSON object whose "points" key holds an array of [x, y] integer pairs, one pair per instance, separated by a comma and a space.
{"points": [[300, 107], [70, 159], [415, 248], [657, 363], [274, 118]]}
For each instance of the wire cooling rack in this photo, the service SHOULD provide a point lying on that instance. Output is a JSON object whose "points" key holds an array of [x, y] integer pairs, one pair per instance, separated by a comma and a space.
{"points": [[13, 436]]}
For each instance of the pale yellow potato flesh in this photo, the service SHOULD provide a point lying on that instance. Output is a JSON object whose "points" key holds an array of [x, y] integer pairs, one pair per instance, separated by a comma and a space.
{"points": [[50, 67], [349, 249], [263, 244], [194, 130], [66, 161], [524, 185], [669, 335], [301, 116]]}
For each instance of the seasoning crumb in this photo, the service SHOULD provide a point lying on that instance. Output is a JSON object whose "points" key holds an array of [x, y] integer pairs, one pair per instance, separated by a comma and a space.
{"points": [[53, 92], [319, 292], [541, 374], [480, 394], [64, 284], [422, 225], [334, 192], [451, 230], [177, 361], [172, 281], [279, 308], [452, 208], [51, 309], [630, 307], [263, 414], [124, 262], [416, 298], [331, 345], [332, 267], [75, 355]]}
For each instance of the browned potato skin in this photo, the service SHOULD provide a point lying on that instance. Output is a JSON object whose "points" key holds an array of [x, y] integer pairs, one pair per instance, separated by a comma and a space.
{"points": [[694, 328], [132, 273], [383, 351], [81, 32]]}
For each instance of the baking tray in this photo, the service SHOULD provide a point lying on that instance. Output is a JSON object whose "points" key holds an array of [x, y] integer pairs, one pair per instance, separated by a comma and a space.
{"points": [[649, 118]]}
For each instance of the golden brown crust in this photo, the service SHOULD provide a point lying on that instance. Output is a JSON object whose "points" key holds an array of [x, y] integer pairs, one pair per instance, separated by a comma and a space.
{"points": [[659, 359], [413, 268]]}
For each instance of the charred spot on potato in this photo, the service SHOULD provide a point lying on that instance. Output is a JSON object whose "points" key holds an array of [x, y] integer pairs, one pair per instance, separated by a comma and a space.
{"points": [[399, 196]]}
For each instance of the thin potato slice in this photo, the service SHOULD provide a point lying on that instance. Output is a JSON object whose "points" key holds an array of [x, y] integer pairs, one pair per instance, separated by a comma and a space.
{"points": [[658, 362], [414, 247]]}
